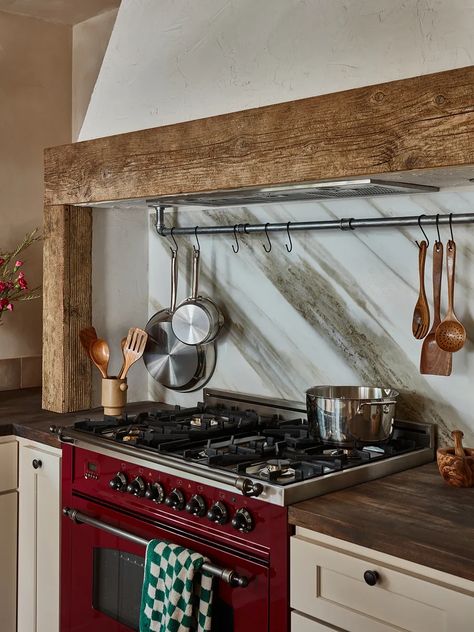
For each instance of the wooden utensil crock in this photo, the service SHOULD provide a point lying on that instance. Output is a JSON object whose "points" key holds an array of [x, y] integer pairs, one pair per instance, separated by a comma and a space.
{"points": [[456, 465], [114, 395]]}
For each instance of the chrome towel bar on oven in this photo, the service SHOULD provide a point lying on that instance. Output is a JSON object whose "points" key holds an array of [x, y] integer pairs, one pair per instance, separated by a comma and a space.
{"points": [[225, 574]]}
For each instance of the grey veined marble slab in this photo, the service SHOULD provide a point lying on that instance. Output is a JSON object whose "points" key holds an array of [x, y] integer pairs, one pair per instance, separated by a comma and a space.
{"points": [[336, 310]]}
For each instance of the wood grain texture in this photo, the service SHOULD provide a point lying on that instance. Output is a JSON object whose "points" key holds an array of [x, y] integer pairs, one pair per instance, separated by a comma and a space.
{"points": [[412, 515], [413, 124], [67, 307]]}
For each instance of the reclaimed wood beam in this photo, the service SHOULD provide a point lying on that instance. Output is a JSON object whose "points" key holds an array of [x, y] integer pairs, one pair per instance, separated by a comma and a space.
{"points": [[67, 307], [422, 123]]}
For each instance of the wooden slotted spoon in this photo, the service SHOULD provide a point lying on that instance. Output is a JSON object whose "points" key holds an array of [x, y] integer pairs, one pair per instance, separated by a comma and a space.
{"points": [[434, 360], [421, 314], [134, 348], [450, 334]]}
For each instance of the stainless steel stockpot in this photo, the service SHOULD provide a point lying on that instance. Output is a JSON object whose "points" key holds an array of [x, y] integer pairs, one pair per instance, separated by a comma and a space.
{"points": [[348, 416]]}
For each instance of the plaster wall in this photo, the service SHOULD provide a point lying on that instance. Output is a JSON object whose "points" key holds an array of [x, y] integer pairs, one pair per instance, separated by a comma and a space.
{"points": [[35, 112]]}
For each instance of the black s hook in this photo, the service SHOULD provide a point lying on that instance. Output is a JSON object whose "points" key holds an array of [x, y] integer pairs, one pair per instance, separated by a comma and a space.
{"points": [[289, 248], [269, 248], [198, 248], [175, 249], [236, 248], [451, 226], [424, 234], [437, 230]]}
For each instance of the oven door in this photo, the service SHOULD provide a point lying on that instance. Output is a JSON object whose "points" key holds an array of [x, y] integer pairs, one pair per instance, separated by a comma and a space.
{"points": [[102, 575]]}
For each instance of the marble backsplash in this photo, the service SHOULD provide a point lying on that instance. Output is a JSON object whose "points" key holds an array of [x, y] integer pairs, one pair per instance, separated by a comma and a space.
{"points": [[335, 310]]}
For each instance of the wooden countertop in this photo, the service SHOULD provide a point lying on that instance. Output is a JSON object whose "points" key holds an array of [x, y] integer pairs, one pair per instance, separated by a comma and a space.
{"points": [[21, 414], [413, 515]]}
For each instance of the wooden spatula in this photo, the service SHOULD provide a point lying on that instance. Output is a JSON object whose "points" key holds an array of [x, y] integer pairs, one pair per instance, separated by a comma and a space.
{"points": [[87, 337], [134, 348], [435, 361]]}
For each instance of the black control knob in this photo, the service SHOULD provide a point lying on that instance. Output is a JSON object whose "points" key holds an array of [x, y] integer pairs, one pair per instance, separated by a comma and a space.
{"points": [[196, 506], [242, 521], [37, 463], [137, 487], [371, 577], [218, 513], [155, 492], [175, 499], [119, 482]]}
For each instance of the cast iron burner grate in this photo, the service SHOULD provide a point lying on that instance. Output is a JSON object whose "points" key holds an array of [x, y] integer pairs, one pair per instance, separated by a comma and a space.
{"points": [[242, 441]]}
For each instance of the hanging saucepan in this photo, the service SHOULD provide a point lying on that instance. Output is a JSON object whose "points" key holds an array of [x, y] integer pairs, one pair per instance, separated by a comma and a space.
{"points": [[169, 361], [197, 320]]}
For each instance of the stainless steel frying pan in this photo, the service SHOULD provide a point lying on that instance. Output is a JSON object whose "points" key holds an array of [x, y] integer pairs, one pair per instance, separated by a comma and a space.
{"points": [[169, 361]]}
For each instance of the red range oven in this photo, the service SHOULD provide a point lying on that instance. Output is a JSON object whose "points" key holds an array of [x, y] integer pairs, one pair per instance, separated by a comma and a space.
{"points": [[105, 530]]}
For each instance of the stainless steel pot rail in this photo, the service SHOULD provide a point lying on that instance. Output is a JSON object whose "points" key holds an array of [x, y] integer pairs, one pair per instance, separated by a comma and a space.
{"points": [[341, 224], [226, 575]]}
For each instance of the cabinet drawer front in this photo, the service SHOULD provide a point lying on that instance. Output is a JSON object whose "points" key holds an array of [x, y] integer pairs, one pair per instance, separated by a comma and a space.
{"points": [[329, 585], [299, 623], [8, 466]]}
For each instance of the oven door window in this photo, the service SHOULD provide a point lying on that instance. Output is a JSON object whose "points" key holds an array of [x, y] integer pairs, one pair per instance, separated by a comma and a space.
{"points": [[117, 585]]}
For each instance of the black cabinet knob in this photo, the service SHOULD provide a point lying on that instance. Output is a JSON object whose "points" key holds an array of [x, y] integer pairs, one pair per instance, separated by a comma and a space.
{"points": [[37, 463], [371, 577], [175, 499]]}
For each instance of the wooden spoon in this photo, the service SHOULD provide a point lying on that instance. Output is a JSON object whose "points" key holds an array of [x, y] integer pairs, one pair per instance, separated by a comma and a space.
{"points": [[134, 348], [421, 314], [450, 334], [100, 355], [435, 361], [87, 337]]}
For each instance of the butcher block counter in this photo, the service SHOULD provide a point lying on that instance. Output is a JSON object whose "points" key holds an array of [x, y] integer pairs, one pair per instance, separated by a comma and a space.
{"points": [[413, 515]]}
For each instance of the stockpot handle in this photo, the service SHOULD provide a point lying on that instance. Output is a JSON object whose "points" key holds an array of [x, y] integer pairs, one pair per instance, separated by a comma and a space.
{"points": [[196, 256], [376, 403]]}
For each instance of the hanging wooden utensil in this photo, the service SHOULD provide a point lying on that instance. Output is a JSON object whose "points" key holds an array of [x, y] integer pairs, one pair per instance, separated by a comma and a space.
{"points": [[434, 360], [450, 334], [134, 348], [421, 314]]}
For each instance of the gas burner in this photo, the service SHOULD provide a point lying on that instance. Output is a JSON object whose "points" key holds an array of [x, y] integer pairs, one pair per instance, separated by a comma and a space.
{"points": [[206, 421]]}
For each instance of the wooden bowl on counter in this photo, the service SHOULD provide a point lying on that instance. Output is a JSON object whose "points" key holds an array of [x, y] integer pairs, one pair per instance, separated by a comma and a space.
{"points": [[456, 465]]}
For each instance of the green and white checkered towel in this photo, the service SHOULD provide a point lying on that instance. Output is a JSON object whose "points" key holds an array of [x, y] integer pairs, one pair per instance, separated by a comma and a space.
{"points": [[176, 596]]}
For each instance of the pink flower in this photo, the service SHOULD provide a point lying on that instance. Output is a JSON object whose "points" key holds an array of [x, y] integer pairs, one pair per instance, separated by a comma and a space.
{"points": [[18, 264], [3, 286], [3, 303], [10, 307], [2, 261], [22, 282]]}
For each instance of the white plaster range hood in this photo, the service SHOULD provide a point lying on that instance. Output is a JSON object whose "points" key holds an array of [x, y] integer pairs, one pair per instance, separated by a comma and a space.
{"points": [[293, 192]]}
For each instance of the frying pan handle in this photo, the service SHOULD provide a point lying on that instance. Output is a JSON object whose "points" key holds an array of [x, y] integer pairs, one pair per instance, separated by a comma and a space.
{"points": [[196, 255], [174, 280]]}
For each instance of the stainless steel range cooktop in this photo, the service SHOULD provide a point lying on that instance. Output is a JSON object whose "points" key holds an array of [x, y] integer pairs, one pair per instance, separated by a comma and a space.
{"points": [[258, 446]]}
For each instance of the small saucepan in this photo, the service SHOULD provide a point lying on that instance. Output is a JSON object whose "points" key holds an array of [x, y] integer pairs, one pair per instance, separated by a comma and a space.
{"points": [[197, 320]]}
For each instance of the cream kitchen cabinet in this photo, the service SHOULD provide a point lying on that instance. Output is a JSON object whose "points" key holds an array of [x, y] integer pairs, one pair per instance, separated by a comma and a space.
{"points": [[38, 537], [329, 592], [8, 531]]}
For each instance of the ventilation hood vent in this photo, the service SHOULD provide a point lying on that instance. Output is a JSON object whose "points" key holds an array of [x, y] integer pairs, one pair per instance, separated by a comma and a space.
{"points": [[293, 193]]}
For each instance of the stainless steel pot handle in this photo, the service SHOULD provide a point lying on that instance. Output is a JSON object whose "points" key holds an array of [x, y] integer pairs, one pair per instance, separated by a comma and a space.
{"points": [[174, 280], [227, 575], [196, 256], [384, 403]]}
